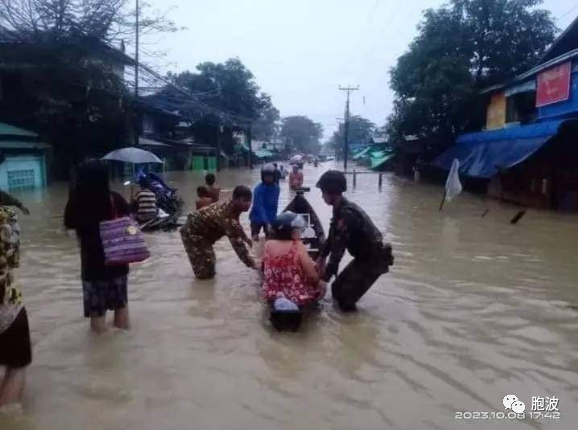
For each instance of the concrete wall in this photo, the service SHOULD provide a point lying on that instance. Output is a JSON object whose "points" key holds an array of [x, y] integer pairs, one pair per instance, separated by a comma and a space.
{"points": [[24, 171]]}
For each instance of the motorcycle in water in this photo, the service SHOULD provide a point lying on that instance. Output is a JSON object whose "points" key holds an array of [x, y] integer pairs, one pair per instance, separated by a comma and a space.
{"points": [[169, 202], [284, 314]]}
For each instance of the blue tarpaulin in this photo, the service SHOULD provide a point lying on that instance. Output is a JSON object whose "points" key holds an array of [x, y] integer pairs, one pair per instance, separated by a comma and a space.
{"points": [[481, 154]]}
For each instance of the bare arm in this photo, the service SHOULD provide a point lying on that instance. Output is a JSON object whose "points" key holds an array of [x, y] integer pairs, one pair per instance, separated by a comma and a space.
{"points": [[236, 234], [307, 263]]}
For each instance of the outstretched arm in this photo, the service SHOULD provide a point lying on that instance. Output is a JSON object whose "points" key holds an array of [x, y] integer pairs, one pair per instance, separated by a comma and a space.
{"points": [[339, 240], [237, 237], [9, 200]]}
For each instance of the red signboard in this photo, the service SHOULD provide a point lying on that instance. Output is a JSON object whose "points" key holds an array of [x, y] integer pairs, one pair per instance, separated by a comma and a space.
{"points": [[554, 85]]}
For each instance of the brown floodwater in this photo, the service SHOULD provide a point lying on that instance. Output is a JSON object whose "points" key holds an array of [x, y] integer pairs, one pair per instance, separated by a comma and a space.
{"points": [[473, 310]]}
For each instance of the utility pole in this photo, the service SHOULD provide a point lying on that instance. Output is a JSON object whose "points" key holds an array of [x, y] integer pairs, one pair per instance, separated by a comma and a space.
{"points": [[250, 142], [349, 89], [136, 67], [219, 150]]}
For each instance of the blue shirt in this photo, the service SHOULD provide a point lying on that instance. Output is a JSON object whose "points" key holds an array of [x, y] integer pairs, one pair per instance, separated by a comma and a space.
{"points": [[265, 203]]}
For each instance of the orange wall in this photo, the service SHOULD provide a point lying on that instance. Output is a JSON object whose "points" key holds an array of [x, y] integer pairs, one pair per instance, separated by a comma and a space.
{"points": [[496, 114]]}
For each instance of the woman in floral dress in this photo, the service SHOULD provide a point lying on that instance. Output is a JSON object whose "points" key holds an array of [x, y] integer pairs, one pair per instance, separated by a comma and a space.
{"points": [[288, 270]]}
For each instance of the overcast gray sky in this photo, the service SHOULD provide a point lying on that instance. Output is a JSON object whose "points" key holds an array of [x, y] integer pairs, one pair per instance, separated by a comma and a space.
{"points": [[301, 50]]}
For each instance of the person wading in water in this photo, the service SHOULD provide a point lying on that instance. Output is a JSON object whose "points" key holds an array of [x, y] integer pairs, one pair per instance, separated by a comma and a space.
{"points": [[204, 227], [351, 229]]}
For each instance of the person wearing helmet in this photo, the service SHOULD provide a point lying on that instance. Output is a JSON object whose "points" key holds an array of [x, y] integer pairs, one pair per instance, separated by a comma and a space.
{"points": [[288, 271], [351, 229], [265, 202], [277, 173]]}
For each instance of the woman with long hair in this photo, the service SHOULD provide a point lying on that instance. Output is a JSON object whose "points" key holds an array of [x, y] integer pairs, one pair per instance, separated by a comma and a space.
{"points": [[104, 287]]}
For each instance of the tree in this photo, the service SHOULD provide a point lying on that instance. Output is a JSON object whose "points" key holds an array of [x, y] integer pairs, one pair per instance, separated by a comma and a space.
{"points": [[73, 92], [461, 48], [227, 95], [301, 133], [266, 126], [361, 130], [55, 20]]}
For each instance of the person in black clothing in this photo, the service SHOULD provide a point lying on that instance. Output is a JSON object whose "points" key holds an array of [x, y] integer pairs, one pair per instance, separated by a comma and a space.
{"points": [[351, 229], [104, 287], [277, 173]]}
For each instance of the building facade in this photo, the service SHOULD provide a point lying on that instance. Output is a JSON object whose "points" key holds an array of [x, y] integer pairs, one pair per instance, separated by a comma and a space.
{"points": [[527, 152]]}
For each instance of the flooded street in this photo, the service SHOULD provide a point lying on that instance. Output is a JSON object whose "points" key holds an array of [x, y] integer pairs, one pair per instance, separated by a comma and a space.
{"points": [[473, 309]]}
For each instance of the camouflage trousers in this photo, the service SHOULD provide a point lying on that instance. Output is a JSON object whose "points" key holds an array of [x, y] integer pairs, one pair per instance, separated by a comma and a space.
{"points": [[358, 277], [201, 254]]}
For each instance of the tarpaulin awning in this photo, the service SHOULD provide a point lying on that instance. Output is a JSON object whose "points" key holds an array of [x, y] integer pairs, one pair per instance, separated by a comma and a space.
{"points": [[379, 158], [143, 141], [17, 144], [361, 153], [241, 147], [482, 154]]}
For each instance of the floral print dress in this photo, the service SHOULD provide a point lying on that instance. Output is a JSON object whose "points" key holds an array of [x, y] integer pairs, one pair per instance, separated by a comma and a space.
{"points": [[283, 274]]}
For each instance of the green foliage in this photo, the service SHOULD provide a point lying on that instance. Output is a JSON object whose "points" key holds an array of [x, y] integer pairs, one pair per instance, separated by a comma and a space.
{"points": [[461, 48], [228, 97], [62, 78], [361, 130], [266, 126], [301, 134]]}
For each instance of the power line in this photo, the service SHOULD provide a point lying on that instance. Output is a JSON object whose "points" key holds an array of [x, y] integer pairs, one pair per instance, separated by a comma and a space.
{"points": [[572, 9]]}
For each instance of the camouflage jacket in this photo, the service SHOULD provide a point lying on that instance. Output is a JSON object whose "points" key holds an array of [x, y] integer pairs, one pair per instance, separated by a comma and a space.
{"points": [[213, 222], [10, 294], [351, 229]]}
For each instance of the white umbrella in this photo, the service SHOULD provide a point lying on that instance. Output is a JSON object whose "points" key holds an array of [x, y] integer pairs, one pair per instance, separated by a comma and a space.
{"points": [[133, 155]]}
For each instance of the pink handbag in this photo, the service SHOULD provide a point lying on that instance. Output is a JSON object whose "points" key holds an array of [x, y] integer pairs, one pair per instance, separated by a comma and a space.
{"points": [[122, 241]]}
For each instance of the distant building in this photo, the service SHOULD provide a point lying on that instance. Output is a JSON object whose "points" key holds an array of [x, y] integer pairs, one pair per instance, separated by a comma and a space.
{"points": [[527, 153], [22, 159]]}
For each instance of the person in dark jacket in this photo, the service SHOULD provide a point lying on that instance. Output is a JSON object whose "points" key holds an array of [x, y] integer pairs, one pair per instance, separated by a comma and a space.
{"points": [[351, 229], [277, 173], [265, 202], [104, 287]]}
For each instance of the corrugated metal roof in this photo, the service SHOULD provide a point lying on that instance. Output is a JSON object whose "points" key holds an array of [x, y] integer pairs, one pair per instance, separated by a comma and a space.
{"points": [[150, 142], [10, 130], [15, 144]]}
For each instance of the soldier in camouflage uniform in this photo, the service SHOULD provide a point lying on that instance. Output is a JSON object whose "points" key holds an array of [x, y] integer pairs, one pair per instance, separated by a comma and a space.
{"points": [[351, 229], [204, 227]]}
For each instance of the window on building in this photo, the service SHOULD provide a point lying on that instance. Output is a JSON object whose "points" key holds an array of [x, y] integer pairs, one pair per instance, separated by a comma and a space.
{"points": [[148, 125], [521, 107], [19, 179]]}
